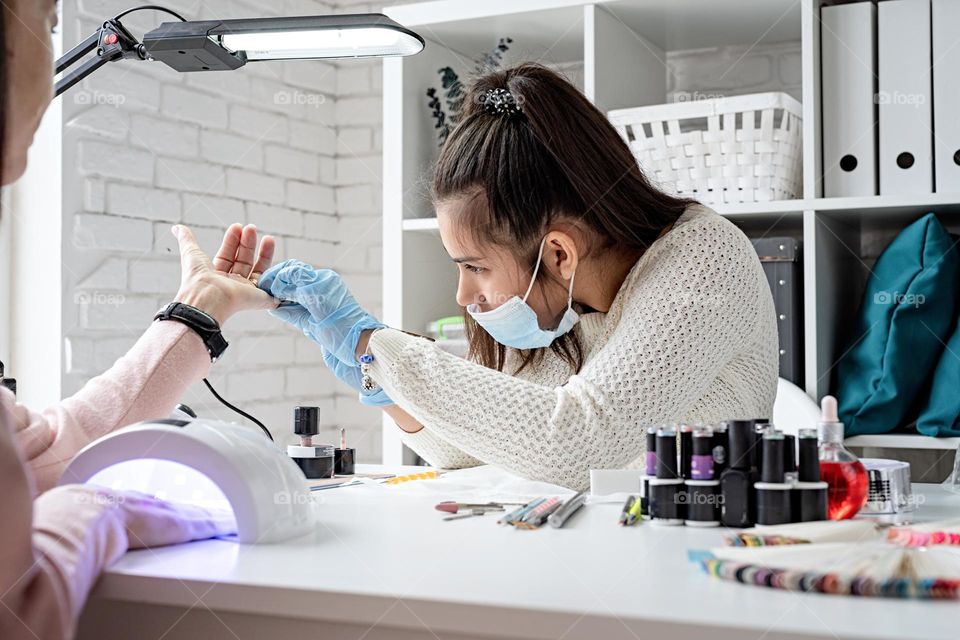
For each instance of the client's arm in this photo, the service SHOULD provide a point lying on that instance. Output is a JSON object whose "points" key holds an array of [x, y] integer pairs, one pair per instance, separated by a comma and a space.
{"points": [[169, 357]]}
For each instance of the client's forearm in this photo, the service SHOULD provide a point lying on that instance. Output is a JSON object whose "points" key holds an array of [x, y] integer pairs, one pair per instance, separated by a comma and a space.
{"points": [[403, 419]]}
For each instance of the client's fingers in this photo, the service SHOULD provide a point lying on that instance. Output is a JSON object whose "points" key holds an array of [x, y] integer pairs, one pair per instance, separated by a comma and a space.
{"points": [[228, 248], [243, 264], [192, 256], [268, 247]]}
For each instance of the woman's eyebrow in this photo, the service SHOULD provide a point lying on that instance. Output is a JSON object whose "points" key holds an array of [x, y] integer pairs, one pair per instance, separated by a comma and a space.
{"points": [[468, 259]]}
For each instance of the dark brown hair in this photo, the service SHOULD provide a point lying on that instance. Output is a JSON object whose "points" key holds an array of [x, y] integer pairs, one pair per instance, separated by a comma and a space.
{"points": [[559, 158]]}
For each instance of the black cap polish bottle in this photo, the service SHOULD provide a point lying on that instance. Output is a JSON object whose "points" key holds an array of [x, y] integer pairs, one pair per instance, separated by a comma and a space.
{"points": [[809, 492], [736, 482], [773, 494]]}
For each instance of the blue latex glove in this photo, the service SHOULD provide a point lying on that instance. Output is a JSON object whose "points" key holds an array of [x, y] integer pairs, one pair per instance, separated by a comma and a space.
{"points": [[350, 374], [326, 311]]}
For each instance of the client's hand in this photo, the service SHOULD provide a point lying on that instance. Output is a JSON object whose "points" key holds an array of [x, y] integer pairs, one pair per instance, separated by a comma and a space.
{"points": [[326, 311], [83, 529], [351, 376], [228, 284], [74, 510], [152, 522]]}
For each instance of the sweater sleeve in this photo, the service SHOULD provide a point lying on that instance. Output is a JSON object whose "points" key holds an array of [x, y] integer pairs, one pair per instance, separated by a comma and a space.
{"points": [[46, 571], [691, 306], [143, 384], [438, 452]]}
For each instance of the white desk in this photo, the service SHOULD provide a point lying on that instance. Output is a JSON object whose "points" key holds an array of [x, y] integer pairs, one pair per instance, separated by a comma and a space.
{"points": [[387, 566]]}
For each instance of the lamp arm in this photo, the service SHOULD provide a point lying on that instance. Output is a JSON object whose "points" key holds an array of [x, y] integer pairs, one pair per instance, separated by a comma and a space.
{"points": [[112, 41], [82, 49]]}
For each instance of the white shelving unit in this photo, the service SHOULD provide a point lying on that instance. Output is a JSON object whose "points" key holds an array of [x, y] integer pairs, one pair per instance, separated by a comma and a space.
{"points": [[614, 51]]}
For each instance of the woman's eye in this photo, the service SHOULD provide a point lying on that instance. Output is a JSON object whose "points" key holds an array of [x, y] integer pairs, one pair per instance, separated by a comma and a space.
{"points": [[470, 267]]}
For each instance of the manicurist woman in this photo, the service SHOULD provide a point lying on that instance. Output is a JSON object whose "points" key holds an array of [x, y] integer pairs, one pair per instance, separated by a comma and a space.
{"points": [[55, 541], [596, 304]]}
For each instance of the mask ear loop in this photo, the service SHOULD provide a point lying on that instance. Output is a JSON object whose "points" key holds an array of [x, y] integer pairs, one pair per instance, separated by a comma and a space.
{"points": [[570, 291], [535, 269], [534, 278]]}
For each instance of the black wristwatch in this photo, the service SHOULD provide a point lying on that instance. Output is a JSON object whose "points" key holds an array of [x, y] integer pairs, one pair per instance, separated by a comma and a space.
{"points": [[206, 327]]}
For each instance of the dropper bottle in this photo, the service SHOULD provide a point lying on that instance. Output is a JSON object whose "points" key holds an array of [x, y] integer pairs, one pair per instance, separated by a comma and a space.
{"points": [[844, 474]]}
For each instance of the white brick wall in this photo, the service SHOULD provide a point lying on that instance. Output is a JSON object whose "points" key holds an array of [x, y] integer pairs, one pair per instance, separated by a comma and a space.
{"points": [[147, 147], [292, 147]]}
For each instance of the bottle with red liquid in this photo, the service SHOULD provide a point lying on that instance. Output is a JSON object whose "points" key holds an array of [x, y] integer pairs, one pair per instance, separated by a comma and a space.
{"points": [[844, 474]]}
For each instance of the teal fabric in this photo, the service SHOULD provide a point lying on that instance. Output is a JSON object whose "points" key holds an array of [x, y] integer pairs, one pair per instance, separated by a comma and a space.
{"points": [[906, 315], [940, 408]]}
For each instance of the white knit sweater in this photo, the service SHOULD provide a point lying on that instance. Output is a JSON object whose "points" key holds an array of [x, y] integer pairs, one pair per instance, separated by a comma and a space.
{"points": [[691, 336]]}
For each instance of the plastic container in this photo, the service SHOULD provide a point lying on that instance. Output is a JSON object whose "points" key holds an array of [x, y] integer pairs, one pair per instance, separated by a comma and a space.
{"points": [[450, 335]]}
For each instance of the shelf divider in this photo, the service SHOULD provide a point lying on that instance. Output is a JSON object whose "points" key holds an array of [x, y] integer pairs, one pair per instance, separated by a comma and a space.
{"points": [[608, 83]]}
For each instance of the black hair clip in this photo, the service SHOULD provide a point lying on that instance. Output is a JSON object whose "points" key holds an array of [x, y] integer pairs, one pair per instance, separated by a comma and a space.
{"points": [[499, 101]]}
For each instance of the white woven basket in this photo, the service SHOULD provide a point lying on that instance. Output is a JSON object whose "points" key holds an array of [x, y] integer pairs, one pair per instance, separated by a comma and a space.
{"points": [[737, 149]]}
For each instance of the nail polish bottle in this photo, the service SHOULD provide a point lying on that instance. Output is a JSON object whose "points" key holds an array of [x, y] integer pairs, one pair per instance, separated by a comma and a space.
{"points": [[9, 383], [719, 448], [760, 426], [842, 471], [773, 494], [650, 471], [703, 489], [789, 458], [736, 482], [686, 450], [666, 490], [315, 460], [809, 492]]}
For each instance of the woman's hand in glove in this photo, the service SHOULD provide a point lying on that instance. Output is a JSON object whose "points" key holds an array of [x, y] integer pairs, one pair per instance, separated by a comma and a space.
{"points": [[325, 310]]}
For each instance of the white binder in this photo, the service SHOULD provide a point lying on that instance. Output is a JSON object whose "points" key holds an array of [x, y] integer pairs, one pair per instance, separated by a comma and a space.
{"points": [[848, 46], [946, 95], [903, 96]]}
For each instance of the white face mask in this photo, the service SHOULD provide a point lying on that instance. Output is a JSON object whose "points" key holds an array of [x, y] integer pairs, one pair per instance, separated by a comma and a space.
{"points": [[514, 323]]}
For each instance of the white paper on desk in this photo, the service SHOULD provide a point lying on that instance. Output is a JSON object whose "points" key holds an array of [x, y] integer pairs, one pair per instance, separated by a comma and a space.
{"points": [[610, 498], [485, 483]]}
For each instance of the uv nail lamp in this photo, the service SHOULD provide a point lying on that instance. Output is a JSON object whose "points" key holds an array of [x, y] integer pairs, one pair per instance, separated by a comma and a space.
{"points": [[208, 463]]}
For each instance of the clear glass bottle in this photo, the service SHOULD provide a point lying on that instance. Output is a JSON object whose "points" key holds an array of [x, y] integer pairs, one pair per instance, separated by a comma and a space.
{"points": [[844, 474]]}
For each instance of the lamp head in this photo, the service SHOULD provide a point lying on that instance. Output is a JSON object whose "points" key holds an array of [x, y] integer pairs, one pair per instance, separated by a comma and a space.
{"points": [[211, 45]]}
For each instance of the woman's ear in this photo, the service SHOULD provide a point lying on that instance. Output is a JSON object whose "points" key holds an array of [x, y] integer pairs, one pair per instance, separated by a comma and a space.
{"points": [[560, 254]]}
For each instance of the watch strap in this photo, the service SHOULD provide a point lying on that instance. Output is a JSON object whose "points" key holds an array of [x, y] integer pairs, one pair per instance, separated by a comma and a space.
{"points": [[202, 324]]}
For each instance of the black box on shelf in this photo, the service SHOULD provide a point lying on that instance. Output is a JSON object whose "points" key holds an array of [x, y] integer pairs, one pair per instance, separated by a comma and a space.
{"points": [[781, 260]]}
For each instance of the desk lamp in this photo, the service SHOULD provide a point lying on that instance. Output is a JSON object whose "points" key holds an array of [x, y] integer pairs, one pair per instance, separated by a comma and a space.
{"points": [[221, 45]]}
